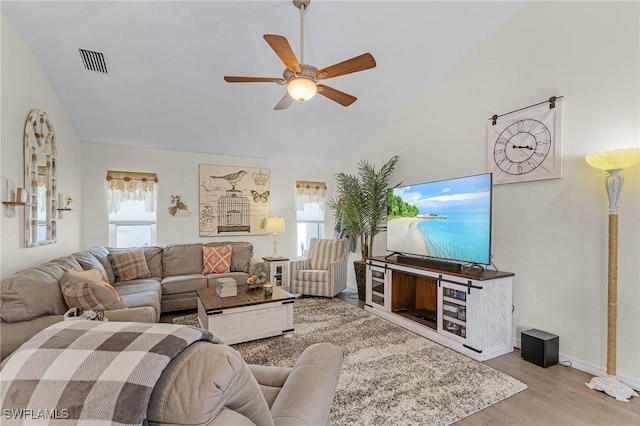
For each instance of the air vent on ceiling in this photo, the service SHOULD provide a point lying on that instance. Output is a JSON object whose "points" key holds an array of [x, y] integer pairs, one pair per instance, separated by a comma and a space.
{"points": [[93, 61]]}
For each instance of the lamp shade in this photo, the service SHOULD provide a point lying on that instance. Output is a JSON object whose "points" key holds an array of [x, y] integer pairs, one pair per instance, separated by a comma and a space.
{"points": [[616, 159], [274, 225], [301, 88]]}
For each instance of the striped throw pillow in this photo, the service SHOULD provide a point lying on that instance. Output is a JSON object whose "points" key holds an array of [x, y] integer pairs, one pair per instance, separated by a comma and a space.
{"points": [[216, 260], [129, 265]]}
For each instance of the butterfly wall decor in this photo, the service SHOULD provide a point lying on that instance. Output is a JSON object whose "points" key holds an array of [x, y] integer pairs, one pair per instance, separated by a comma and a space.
{"points": [[260, 197]]}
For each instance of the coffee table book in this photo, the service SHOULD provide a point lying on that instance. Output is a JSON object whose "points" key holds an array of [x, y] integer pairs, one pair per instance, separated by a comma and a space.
{"points": [[248, 316]]}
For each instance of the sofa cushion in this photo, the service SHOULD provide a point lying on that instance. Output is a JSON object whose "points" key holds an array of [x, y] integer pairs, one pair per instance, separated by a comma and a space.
{"points": [[142, 299], [313, 275], [67, 262], [32, 293], [89, 292], [102, 255], [88, 261], [136, 286], [183, 283], [141, 293], [129, 265], [154, 260], [181, 259], [241, 254], [216, 260]]}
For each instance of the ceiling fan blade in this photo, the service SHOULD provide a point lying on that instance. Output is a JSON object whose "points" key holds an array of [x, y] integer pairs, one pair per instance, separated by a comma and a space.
{"points": [[342, 98], [358, 63], [281, 46], [284, 102], [236, 79]]}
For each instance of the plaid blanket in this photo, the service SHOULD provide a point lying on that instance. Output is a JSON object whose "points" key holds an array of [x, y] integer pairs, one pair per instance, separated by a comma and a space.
{"points": [[90, 372]]}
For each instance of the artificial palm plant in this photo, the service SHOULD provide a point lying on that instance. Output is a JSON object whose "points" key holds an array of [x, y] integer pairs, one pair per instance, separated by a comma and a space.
{"points": [[360, 206]]}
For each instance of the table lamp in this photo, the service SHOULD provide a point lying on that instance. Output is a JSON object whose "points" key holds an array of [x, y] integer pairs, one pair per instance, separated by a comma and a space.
{"points": [[613, 162], [275, 225]]}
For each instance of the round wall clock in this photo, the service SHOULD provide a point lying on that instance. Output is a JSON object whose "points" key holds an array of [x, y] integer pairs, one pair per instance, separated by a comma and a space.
{"points": [[527, 146], [522, 147]]}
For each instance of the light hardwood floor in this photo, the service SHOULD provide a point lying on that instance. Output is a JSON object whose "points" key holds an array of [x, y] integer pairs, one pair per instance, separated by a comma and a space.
{"points": [[556, 395]]}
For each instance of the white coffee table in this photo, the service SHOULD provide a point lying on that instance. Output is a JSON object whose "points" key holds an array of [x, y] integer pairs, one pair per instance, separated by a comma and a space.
{"points": [[248, 316]]}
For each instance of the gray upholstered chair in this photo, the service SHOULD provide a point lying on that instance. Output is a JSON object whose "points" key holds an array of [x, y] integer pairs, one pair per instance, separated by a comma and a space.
{"points": [[324, 272]]}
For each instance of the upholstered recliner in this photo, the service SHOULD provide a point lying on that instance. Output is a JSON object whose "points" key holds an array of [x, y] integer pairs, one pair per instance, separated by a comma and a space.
{"points": [[209, 384], [324, 272]]}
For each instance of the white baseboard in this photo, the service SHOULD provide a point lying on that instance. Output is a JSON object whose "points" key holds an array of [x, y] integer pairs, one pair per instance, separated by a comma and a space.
{"points": [[590, 368]]}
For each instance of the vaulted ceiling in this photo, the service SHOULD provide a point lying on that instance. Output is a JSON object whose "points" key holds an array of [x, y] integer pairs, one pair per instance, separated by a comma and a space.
{"points": [[166, 61]]}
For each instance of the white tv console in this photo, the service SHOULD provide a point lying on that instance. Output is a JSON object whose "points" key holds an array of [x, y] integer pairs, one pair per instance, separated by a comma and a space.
{"points": [[468, 311]]}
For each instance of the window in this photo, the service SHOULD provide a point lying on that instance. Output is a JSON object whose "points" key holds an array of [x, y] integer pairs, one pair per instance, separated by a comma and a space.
{"points": [[310, 223], [310, 201], [132, 208], [132, 225]]}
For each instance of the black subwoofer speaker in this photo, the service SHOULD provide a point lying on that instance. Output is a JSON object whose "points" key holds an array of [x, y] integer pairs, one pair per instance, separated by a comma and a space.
{"points": [[540, 347]]}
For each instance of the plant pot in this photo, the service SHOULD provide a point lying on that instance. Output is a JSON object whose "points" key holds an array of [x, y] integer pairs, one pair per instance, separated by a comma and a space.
{"points": [[360, 269]]}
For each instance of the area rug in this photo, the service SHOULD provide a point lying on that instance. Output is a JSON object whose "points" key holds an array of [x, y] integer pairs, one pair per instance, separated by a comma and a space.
{"points": [[390, 376]]}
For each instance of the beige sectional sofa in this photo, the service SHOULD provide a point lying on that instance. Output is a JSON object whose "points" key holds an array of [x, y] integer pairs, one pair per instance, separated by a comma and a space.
{"points": [[206, 384], [31, 299]]}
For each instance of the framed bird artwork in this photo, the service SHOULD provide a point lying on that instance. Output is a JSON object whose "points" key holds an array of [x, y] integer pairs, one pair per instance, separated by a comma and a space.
{"points": [[234, 200]]}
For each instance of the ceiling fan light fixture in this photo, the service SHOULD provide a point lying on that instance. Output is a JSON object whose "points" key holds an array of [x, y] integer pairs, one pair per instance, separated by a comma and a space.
{"points": [[301, 79], [301, 88]]}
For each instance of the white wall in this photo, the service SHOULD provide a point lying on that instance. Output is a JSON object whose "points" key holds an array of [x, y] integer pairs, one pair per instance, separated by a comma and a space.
{"points": [[25, 87], [552, 233], [178, 174]]}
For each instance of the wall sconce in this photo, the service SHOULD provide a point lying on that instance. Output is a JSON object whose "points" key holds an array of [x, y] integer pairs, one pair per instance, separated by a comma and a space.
{"points": [[15, 197], [64, 204]]}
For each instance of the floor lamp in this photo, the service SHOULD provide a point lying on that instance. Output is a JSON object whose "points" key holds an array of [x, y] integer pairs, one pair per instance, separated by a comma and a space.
{"points": [[613, 162]]}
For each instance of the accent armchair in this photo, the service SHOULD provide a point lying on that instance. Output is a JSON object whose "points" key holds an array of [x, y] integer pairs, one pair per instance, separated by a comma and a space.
{"points": [[324, 272]]}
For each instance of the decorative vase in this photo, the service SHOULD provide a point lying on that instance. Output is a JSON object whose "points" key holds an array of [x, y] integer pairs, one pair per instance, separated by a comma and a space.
{"points": [[360, 268]]}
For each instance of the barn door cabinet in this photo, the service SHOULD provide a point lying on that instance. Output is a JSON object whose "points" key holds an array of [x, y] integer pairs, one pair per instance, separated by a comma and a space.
{"points": [[467, 311]]}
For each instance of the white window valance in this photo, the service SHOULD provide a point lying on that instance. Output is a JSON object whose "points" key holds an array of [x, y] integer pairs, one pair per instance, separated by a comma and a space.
{"points": [[310, 192], [131, 186]]}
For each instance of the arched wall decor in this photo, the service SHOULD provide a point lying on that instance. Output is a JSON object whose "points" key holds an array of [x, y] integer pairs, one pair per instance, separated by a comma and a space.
{"points": [[40, 179]]}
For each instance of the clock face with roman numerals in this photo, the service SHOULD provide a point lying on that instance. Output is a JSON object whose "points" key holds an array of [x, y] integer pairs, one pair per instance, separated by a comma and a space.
{"points": [[526, 145], [522, 147]]}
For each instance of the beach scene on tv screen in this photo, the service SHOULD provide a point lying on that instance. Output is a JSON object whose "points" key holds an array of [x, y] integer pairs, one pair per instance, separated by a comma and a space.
{"points": [[449, 219]]}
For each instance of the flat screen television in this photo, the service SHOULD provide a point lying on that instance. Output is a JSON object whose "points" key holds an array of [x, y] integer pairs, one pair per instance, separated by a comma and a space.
{"points": [[447, 219]]}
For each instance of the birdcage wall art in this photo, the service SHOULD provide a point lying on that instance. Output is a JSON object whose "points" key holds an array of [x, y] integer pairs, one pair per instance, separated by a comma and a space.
{"points": [[233, 212], [234, 200]]}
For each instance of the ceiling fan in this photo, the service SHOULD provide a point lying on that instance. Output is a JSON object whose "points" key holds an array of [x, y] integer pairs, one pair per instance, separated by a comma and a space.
{"points": [[302, 79]]}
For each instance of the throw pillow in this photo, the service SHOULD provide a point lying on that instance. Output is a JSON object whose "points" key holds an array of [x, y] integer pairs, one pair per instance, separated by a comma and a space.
{"points": [[129, 265], [216, 260], [95, 276], [89, 295]]}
